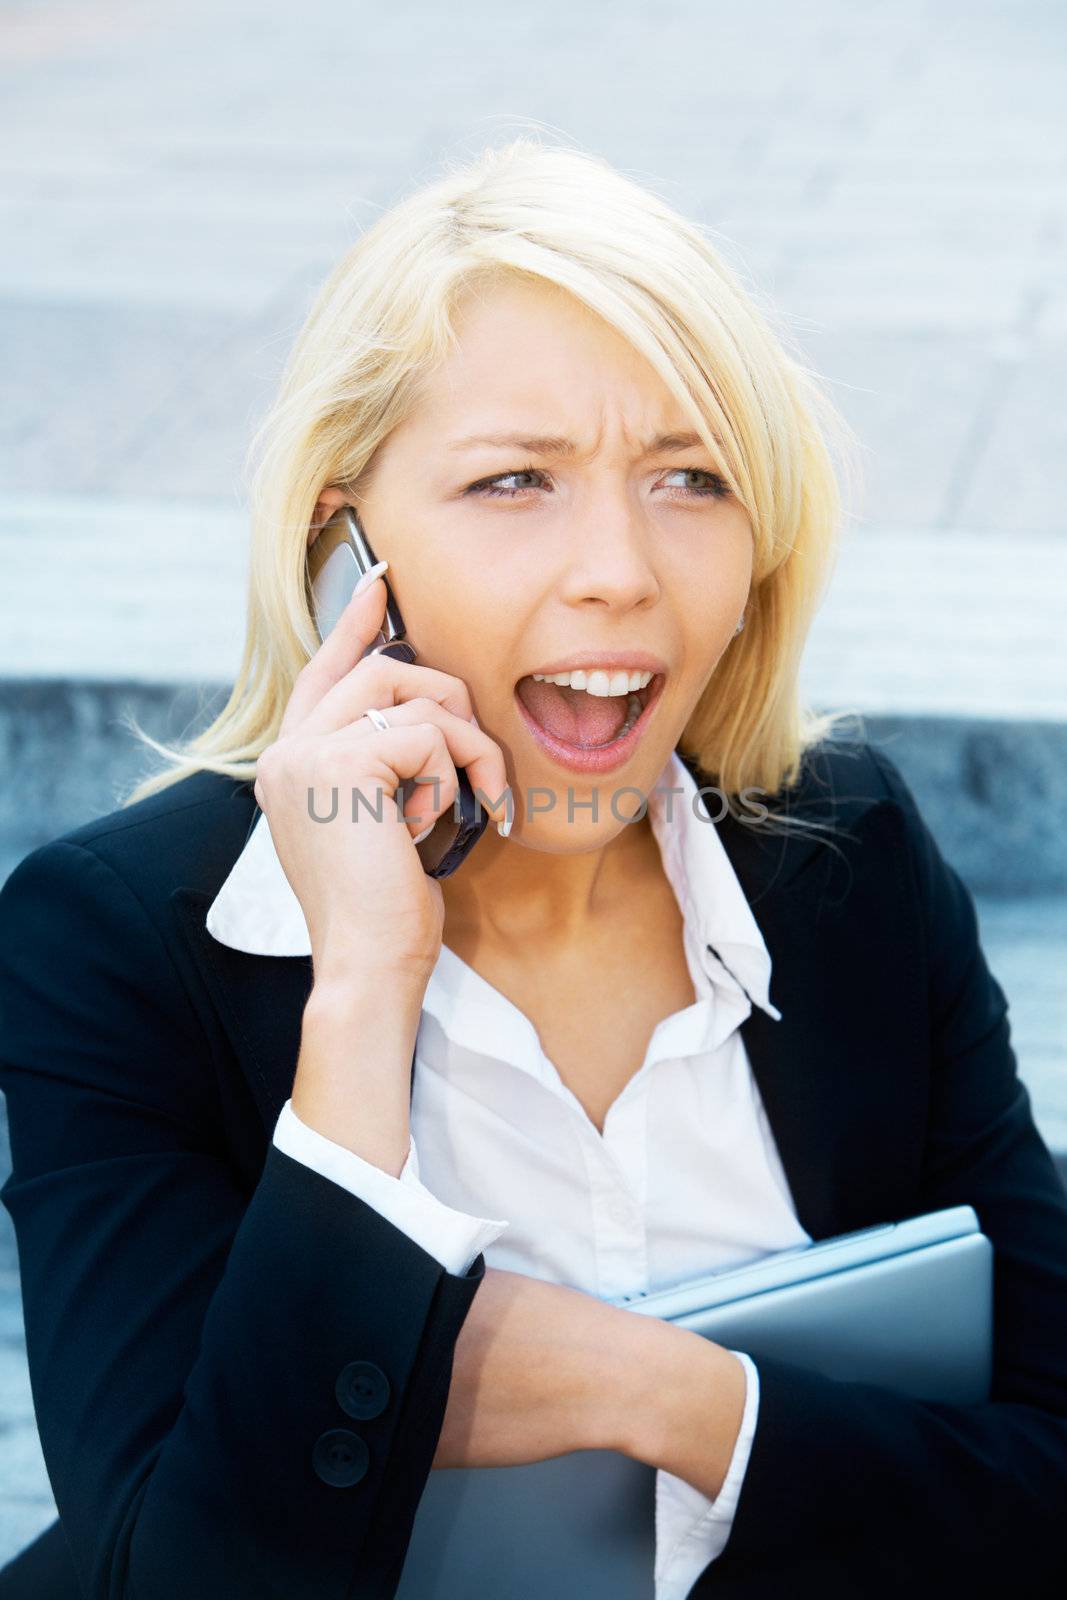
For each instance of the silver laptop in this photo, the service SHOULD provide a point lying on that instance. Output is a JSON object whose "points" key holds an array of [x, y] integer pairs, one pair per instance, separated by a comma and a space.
{"points": [[908, 1305]]}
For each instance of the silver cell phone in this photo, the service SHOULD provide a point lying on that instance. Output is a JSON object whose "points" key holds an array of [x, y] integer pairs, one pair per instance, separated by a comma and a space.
{"points": [[336, 561]]}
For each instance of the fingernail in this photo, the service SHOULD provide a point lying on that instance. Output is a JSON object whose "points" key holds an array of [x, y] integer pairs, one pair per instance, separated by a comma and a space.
{"points": [[369, 577], [477, 724], [425, 834], [503, 827]]}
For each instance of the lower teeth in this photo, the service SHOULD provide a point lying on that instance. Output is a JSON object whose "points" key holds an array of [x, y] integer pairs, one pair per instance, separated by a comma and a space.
{"points": [[632, 713]]}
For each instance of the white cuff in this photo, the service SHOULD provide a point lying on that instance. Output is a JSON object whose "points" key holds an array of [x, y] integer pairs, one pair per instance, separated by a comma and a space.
{"points": [[692, 1530], [454, 1238]]}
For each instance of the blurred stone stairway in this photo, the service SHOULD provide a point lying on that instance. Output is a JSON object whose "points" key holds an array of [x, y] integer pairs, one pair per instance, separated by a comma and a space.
{"points": [[175, 206]]}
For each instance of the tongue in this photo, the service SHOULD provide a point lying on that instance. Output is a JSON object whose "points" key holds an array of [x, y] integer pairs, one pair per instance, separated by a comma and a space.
{"points": [[571, 714]]}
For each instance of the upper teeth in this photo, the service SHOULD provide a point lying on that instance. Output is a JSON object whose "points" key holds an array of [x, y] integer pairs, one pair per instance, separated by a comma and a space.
{"points": [[598, 683]]}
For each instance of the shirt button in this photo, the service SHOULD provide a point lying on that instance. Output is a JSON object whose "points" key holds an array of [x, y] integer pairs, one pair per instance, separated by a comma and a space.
{"points": [[621, 1212], [340, 1458], [362, 1390]]}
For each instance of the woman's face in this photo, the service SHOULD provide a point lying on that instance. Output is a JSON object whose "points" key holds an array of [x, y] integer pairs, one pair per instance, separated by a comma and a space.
{"points": [[531, 523]]}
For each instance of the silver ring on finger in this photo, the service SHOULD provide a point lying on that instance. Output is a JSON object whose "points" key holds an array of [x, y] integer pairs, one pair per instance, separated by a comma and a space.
{"points": [[377, 717]]}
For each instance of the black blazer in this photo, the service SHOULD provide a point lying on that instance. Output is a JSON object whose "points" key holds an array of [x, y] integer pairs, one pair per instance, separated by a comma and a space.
{"points": [[194, 1298]]}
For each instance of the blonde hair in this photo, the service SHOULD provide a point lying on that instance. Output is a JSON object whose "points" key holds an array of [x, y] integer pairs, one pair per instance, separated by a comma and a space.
{"points": [[384, 319]]}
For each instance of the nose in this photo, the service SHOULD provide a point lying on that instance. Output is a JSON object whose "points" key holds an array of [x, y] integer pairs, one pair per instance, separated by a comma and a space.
{"points": [[610, 553]]}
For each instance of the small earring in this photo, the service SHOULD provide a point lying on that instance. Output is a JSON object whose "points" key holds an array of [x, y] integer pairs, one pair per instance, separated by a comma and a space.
{"points": [[740, 624]]}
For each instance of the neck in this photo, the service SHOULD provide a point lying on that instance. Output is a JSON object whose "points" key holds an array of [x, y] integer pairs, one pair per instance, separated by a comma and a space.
{"points": [[506, 892]]}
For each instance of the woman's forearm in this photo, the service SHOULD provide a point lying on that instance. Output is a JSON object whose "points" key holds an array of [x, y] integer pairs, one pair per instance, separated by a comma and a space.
{"points": [[680, 1403], [353, 1076]]}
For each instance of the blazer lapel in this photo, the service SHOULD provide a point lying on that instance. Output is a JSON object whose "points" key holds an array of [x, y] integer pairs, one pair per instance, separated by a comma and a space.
{"points": [[839, 1073], [832, 1073]]}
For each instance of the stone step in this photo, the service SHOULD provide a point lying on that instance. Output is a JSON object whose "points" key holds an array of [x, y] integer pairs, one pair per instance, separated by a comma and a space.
{"points": [[994, 791], [1025, 945]]}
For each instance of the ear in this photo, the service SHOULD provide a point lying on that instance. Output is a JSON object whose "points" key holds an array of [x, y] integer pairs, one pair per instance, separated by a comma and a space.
{"points": [[329, 501]]}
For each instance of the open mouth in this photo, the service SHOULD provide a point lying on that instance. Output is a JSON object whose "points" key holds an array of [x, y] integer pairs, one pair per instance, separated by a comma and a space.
{"points": [[588, 731]]}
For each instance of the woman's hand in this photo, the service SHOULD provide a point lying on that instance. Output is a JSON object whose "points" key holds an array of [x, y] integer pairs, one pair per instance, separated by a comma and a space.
{"points": [[539, 1369], [361, 886]]}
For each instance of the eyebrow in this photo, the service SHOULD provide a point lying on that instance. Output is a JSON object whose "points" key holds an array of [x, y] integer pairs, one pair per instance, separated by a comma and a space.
{"points": [[555, 445]]}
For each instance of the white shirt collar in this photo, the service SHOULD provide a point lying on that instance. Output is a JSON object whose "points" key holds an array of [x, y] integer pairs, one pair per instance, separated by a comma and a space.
{"points": [[256, 910]]}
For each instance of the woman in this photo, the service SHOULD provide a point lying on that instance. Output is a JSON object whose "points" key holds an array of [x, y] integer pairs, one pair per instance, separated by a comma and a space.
{"points": [[274, 1270]]}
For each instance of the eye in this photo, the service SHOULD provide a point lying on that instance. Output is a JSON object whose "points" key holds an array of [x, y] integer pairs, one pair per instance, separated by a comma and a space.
{"points": [[717, 487], [487, 486]]}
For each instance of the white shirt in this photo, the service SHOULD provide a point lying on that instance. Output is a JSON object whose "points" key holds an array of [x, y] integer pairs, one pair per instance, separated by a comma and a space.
{"points": [[685, 1179]]}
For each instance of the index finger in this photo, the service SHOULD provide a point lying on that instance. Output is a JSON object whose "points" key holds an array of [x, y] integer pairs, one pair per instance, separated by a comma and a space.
{"points": [[356, 628], [387, 683]]}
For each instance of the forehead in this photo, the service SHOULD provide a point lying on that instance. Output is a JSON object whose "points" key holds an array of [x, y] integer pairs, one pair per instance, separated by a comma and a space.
{"points": [[529, 358]]}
